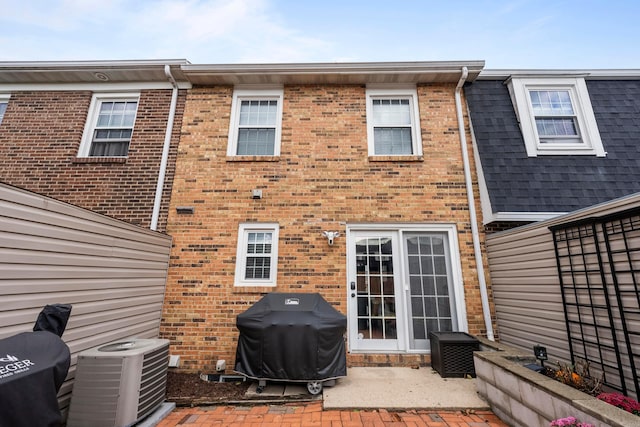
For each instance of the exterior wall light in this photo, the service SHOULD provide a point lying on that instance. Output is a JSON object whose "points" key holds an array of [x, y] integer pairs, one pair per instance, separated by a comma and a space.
{"points": [[330, 235]]}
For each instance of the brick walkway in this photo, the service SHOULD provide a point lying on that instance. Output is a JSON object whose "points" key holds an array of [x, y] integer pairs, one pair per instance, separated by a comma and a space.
{"points": [[312, 415]]}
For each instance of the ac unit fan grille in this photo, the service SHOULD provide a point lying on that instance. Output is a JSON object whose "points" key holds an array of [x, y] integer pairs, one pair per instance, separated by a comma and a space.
{"points": [[153, 382]]}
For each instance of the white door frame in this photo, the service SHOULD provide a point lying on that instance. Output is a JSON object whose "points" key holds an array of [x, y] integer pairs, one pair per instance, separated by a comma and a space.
{"points": [[398, 231]]}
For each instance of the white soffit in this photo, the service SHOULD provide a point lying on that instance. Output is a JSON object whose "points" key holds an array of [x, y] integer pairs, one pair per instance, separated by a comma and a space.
{"points": [[92, 72], [332, 73]]}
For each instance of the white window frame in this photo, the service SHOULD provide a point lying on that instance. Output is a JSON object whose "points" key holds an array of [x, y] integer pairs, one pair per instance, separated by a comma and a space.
{"points": [[4, 99], [92, 118], [409, 93], [590, 143], [253, 94], [241, 256]]}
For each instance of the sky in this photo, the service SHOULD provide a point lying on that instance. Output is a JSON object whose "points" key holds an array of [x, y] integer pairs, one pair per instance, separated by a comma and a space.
{"points": [[515, 34]]}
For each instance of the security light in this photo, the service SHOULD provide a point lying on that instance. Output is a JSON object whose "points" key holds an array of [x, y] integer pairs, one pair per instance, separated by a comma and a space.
{"points": [[330, 235]]}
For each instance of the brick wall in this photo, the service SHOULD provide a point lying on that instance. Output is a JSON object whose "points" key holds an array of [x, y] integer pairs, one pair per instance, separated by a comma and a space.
{"points": [[497, 226], [323, 180], [39, 140]]}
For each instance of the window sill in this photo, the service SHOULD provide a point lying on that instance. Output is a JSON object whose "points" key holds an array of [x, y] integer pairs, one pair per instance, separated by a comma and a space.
{"points": [[396, 158], [100, 160], [253, 158], [565, 150], [568, 153], [249, 289]]}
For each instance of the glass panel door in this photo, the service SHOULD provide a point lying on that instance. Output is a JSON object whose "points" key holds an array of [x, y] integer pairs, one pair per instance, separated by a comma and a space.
{"points": [[431, 307], [375, 321], [401, 287]]}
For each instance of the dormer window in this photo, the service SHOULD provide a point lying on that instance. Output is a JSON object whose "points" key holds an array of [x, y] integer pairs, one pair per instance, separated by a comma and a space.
{"points": [[556, 120], [556, 116]]}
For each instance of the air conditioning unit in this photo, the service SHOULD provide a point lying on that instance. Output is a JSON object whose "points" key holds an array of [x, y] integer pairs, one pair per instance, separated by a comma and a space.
{"points": [[118, 384]]}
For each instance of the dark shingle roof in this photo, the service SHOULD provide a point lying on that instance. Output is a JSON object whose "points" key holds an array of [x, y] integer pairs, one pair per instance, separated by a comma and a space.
{"points": [[517, 183]]}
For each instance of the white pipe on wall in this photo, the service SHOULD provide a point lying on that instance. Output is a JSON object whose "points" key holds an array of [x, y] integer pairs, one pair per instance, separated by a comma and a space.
{"points": [[472, 208], [165, 150]]}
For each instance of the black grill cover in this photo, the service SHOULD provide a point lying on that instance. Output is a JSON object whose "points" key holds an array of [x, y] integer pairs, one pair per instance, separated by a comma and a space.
{"points": [[293, 337], [33, 366], [53, 318]]}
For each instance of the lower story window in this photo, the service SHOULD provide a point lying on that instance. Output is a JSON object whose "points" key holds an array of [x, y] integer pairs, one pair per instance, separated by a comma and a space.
{"points": [[257, 256]]}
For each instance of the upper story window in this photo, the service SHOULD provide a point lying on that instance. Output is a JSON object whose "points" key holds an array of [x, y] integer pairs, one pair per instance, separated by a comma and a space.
{"points": [[393, 127], [257, 256], [4, 101], [556, 116], [256, 120], [109, 125]]}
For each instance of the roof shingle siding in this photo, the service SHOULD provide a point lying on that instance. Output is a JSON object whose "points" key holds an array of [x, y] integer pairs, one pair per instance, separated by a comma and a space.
{"points": [[517, 183]]}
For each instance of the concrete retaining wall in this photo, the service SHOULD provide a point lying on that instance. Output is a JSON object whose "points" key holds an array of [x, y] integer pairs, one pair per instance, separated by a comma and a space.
{"points": [[522, 397]]}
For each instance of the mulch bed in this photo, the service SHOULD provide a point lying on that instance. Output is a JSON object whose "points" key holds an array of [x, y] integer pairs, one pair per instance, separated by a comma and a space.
{"points": [[190, 390], [585, 384]]}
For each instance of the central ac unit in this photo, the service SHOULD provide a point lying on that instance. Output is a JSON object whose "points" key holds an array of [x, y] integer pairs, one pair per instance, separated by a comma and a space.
{"points": [[120, 383]]}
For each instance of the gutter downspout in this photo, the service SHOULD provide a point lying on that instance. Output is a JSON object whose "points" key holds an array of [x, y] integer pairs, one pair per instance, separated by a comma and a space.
{"points": [[472, 208], [165, 150]]}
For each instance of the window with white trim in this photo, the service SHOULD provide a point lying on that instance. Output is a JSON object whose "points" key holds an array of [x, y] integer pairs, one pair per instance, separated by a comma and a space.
{"points": [[4, 101], [109, 126], [556, 116], [393, 127], [256, 121], [257, 256]]}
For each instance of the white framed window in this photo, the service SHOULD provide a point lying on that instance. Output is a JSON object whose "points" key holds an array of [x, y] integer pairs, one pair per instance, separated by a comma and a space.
{"points": [[556, 116], [109, 126], [393, 125], [256, 122], [257, 256], [4, 101]]}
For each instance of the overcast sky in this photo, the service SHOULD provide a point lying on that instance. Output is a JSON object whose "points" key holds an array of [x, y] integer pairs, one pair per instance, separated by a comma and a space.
{"points": [[506, 34]]}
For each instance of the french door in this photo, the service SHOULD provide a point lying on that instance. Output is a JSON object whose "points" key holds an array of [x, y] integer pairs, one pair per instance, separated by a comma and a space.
{"points": [[401, 285]]}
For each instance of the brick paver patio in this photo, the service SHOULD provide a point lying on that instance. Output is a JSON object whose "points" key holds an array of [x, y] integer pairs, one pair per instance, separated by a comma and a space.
{"points": [[312, 415]]}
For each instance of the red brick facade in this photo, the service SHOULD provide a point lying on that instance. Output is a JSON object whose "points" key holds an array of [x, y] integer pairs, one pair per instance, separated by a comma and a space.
{"points": [[324, 179], [39, 141]]}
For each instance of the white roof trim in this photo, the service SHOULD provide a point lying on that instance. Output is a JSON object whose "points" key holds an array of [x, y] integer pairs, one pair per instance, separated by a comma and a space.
{"points": [[621, 74], [91, 64], [600, 209], [332, 73], [93, 87], [66, 72], [523, 216], [345, 67], [485, 200]]}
